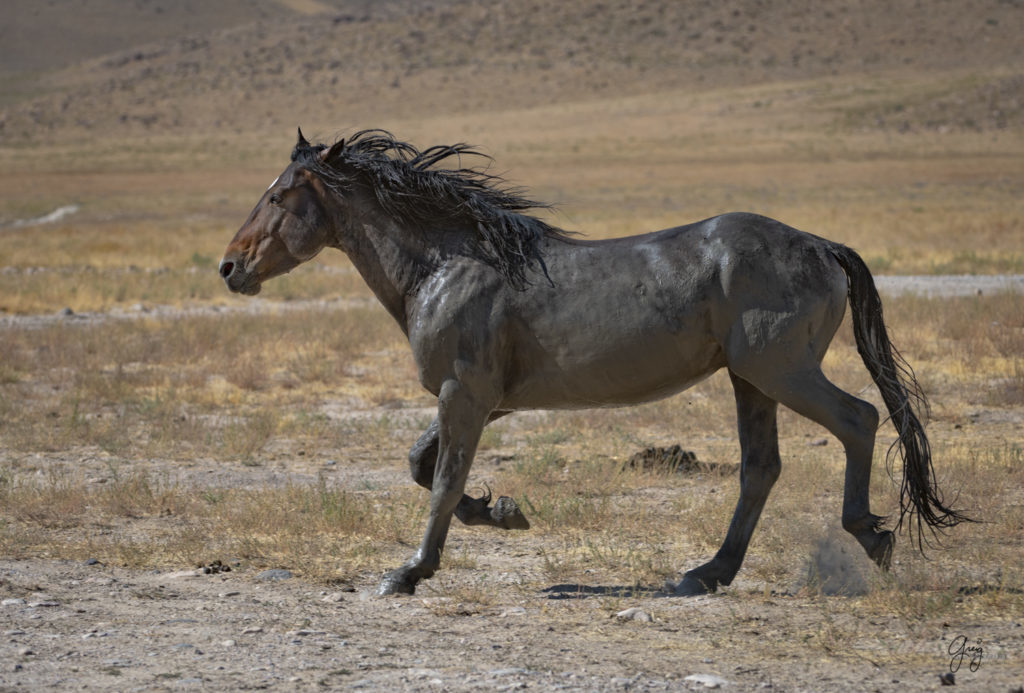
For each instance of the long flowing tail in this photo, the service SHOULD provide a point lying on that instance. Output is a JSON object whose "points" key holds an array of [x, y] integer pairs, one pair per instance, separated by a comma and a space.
{"points": [[921, 503]]}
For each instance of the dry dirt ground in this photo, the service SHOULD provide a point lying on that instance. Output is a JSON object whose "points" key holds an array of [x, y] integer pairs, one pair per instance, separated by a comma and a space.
{"points": [[76, 625]]}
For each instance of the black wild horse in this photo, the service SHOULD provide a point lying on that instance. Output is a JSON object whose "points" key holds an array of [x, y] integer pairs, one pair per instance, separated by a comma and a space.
{"points": [[504, 312]]}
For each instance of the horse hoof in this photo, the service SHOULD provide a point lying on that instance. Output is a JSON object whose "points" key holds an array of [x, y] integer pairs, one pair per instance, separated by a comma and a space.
{"points": [[691, 586], [507, 515], [396, 582], [882, 551]]}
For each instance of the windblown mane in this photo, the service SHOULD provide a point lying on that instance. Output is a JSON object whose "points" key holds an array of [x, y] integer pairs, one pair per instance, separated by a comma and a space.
{"points": [[416, 189]]}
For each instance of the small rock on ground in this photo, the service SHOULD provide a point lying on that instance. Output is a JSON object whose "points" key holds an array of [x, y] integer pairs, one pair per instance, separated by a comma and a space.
{"points": [[634, 614]]}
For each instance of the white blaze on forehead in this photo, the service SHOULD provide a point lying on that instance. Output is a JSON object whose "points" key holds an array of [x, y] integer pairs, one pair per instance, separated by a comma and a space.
{"points": [[273, 183]]}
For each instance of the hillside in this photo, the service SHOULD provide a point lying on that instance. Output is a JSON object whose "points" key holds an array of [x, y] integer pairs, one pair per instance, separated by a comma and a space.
{"points": [[249, 66]]}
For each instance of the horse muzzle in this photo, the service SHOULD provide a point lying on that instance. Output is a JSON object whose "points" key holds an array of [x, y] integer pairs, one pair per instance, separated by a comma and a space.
{"points": [[238, 280]]}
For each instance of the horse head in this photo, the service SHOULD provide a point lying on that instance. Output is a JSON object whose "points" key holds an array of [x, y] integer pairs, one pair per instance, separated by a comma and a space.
{"points": [[290, 225]]}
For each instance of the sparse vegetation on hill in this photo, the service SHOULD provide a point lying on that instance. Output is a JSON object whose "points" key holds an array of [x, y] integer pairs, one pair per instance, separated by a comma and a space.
{"points": [[363, 62]]}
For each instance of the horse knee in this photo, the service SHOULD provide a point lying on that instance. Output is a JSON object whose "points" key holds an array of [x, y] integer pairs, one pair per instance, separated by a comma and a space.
{"points": [[859, 424], [760, 473], [868, 415]]}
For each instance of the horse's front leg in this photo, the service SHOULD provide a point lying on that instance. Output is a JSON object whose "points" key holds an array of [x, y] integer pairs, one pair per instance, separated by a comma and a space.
{"points": [[460, 421], [760, 466], [504, 514]]}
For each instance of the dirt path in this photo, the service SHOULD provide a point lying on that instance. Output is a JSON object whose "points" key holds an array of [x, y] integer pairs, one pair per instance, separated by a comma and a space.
{"points": [[933, 286], [75, 626]]}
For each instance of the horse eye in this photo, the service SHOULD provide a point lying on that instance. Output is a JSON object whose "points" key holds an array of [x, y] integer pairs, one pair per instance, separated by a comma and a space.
{"points": [[275, 199]]}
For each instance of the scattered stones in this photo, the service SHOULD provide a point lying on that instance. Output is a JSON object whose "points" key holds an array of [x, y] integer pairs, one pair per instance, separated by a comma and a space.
{"points": [[634, 614], [513, 611], [95, 633], [497, 673], [334, 597], [13, 601], [818, 442], [252, 630], [707, 680], [275, 574], [304, 632], [45, 604], [91, 561], [118, 663], [624, 681], [947, 679]]}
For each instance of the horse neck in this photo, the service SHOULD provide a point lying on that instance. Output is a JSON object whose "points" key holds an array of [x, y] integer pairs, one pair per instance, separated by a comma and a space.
{"points": [[392, 261]]}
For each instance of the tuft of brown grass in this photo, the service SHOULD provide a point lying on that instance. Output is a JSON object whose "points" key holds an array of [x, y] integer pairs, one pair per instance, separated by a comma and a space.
{"points": [[217, 385]]}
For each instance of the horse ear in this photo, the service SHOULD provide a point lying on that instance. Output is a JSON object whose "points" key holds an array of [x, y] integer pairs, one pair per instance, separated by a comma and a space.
{"points": [[302, 140], [334, 150]]}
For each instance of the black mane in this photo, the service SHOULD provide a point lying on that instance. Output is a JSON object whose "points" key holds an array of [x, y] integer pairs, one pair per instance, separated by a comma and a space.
{"points": [[414, 188]]}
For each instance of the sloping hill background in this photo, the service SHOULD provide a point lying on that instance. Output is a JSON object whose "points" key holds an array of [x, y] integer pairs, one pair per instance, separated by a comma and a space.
{"points": [[246, 65]]}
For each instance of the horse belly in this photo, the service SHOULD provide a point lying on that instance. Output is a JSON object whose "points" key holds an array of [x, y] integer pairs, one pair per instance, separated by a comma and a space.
{"points": [[612, 374]]}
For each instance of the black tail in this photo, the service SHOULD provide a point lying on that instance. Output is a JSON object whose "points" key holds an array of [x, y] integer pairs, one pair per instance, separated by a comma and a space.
{"points": [[920, 498]]}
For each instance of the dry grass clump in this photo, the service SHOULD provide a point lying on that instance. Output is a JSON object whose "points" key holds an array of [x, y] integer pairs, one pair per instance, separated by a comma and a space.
{"points": [[323, 532], [971, 347], [211, 385]]}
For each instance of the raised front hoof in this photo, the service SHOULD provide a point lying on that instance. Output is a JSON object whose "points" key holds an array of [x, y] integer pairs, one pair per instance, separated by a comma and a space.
{"points": [[692, 586], [881, 552], [397, 582], [507, 515]]}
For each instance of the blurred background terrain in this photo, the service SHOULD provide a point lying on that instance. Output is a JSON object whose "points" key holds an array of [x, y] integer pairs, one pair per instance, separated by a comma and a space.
{"points": [[628, 114]]}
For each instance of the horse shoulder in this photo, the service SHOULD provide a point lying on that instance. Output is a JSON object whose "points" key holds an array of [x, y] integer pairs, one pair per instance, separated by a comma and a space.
{"points": [[454, 322]]}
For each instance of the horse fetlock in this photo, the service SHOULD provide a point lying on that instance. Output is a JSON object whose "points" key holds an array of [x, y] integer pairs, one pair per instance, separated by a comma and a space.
{"points": [[862, 523]]}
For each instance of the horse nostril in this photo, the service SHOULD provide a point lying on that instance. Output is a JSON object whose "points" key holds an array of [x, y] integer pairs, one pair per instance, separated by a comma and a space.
{"points": [[226, 268]]}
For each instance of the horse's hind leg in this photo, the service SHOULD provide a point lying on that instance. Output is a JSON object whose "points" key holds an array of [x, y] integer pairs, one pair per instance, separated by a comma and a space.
{"points": [[505, 513], [760, 466], [854, 422]]}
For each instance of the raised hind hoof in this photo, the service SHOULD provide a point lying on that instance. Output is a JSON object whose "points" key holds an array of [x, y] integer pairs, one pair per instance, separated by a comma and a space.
{"points": [[397, 582], [507, 515], [881, 552], [692, 586], [504, 515]]}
